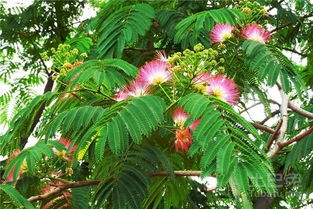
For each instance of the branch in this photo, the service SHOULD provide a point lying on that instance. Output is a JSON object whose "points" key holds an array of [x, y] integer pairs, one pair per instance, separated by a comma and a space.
{"points": [[284, 121], [63, 187], [291, 23], [297, 138], [293, 50], [37, 47], [248, 108], [177, 173], [300, 110], [263, 128], [281, 1], [274, 135], [276, 112], [48, 87], [296, 109]]}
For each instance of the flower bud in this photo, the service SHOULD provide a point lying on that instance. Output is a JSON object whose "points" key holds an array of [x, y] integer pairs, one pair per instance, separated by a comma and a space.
{"points": [[186, 52], [246, 10], [84, 55], [67, 65], [198, 47], [75, 51], [69, 171], [221, 69]]}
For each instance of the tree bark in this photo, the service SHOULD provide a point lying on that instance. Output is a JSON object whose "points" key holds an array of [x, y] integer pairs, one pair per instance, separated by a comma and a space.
{"points": [[61, 34], [263, 202], [48, 87]]}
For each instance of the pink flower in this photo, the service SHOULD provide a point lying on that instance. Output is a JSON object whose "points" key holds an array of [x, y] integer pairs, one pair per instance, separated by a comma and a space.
{"points": [[183, 136], [194, 125], [67, 143], [138, 88], [255, 32], [183, 140], [179, 116], [121, 95], [202, 78], [223, 88], [155, 72], [161, 56], [201, 82], [221, 32]]}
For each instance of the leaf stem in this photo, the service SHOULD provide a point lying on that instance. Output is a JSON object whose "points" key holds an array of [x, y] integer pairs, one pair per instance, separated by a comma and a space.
{"points": [[165, 93]]}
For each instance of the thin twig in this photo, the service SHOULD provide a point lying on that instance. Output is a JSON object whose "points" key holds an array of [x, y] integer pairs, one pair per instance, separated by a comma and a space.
{"points": [[300, 110], [297, 138], [284, 121], [274, 135], [248, 108], [291, 23], [276, 112], [45, 66], [281, 1], [263, 127], [177, 173], [63, 187], [293, 50]]}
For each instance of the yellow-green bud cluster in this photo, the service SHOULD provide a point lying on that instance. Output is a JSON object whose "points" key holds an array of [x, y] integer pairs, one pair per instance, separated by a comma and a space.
{"points": [[199, 47], [253, 9], [45, 56], [192, 62], [65, 58]]}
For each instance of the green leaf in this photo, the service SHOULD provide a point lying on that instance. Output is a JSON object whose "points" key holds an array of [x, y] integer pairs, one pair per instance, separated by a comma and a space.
{"points": [[214, 148], [111, 73], [270, 64], [195, 28], [30, 156], [225, 163], [134, 118], [17, 199], [123, 27]]}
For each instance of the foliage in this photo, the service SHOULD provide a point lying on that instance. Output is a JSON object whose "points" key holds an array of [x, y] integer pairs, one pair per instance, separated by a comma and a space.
{"points": [[147, 93]]}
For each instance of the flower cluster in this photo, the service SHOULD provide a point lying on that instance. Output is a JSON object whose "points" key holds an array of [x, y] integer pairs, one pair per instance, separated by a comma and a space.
{"points": [[152, 73], [199, 69], [221, 32], [206, 73], [253, 9], [64, 58], [254, 32], [219, 86], [191, 62], [183, 138]]}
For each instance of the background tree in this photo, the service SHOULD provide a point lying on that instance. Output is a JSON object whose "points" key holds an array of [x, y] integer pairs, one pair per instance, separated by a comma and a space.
{"points": [[149, 93]]}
